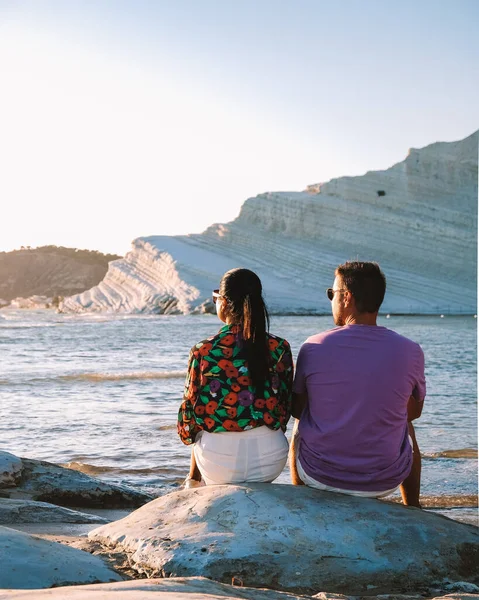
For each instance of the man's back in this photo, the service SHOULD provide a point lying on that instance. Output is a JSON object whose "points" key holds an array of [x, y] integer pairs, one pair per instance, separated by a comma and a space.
{"points": [[358, 380]]}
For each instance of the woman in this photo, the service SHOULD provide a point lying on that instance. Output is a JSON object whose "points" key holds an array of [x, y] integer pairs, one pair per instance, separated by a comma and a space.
{"points": [[237, 399]]}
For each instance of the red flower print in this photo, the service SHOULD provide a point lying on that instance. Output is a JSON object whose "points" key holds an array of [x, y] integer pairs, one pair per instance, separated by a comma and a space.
{"points": [[244, 380], [235, 329], [235, 387], [273, 344], [204, 365], [228, 339], [231, 372], [205, 348], [228, 352], [231, 425], [230, 398], [271, 403], [192, 374], [279, 367], [211, 407], [225, 364], [199, 409], [259, 403], [268, 419], [231, 411], [203, 379], [209, 422]]}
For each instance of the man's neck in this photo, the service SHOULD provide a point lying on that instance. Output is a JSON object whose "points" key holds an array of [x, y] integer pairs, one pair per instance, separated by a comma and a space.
{"points": [[362, 319]]}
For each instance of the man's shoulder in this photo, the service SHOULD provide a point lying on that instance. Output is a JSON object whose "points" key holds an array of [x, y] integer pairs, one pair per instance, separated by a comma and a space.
{"points": [[338, 333], [319, 338], [398, 338]]}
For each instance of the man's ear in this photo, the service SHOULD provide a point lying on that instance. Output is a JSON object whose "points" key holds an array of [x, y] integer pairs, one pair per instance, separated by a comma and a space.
{"points": [[347, 298]]}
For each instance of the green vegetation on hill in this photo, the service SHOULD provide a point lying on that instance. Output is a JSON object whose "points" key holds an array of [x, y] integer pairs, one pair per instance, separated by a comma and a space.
{"points": [[50, 271]]}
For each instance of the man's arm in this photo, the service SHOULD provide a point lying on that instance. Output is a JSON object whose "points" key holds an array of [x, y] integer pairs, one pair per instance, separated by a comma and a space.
{"points": [[416, 400], [299, 404], [414, 408]]}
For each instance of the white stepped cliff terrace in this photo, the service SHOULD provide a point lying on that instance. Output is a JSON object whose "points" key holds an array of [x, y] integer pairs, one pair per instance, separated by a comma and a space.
{"points": [[418, 219]]}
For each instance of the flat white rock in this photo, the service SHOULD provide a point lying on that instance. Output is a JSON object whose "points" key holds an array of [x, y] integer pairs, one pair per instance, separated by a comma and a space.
{"points": [[192, 588], [10, 469], [188, 588], [294, 539], [28, 562], [30, 511], [47, 482]]}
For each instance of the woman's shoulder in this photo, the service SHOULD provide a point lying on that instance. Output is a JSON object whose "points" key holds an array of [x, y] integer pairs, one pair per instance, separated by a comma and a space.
{"points": [[278, 340], [212, 340]]}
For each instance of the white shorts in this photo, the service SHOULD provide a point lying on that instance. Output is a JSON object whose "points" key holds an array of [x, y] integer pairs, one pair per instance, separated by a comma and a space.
{"points": [[310, 482], [258, 454]]}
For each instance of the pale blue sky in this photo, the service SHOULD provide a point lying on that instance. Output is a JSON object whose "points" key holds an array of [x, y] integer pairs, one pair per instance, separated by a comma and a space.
{"points": [[121, 119]]}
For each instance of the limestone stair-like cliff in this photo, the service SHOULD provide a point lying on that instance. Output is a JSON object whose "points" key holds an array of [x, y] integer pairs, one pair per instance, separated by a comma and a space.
{"points": [[418, 219]]}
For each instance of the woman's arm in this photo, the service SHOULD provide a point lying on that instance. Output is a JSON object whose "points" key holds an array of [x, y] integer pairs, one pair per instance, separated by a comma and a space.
{"points": [[286, 373], [187, 426]]}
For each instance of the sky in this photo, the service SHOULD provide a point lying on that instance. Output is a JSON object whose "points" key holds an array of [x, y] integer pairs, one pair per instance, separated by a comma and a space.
{"points": [[128, 118]]}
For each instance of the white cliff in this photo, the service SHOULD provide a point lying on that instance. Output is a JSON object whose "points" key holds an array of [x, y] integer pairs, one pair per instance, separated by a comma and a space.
{"points": [[418, 219]]}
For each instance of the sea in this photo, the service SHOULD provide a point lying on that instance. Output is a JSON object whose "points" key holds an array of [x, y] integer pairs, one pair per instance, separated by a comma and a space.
{"points": [[100, 393]]}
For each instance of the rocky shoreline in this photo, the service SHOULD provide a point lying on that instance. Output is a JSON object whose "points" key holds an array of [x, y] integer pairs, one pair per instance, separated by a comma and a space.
{"points": [[92, 540]]}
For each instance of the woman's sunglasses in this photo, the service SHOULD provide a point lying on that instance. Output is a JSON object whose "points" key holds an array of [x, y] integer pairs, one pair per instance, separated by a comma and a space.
{"points": [[216, 295]]}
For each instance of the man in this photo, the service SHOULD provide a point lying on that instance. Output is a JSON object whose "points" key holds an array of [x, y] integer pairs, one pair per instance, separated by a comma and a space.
{"points": [[356, 390]]}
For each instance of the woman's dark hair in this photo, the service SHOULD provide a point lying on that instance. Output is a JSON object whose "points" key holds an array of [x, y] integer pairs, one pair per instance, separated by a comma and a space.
{"points": [[243, 292]]}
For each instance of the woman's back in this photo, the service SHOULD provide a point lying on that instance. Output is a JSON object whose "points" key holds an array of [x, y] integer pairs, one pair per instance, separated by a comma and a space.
{"points": [[224, 396]]}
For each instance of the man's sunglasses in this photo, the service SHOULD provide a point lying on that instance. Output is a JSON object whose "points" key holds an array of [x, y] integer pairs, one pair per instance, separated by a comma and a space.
{"points": [[330, 293], [216, 295]]}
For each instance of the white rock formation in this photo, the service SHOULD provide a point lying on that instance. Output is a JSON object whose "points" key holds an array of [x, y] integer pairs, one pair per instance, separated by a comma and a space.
{"points": [[28, 562], [193, 588], [294, 539], [418, 219], [28, 511], [32, 302], [175, 588], [10, 469], [30, 479]]}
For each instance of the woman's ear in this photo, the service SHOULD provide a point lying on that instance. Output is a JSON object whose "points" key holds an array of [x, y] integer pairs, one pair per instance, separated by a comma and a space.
{"points": [[222, 308]]}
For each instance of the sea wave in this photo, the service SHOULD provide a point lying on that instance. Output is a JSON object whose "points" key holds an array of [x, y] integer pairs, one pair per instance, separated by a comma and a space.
{"points": [[122, 376], [14, 325], [459, 453], [89, 469], [97, 377]]}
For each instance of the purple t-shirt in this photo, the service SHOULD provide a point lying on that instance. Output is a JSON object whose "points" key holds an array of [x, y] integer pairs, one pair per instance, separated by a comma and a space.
{"points": [[353, 431]]}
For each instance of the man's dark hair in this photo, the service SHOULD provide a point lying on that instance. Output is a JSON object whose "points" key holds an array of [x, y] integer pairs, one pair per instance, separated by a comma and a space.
{"points": [[366, 282]]}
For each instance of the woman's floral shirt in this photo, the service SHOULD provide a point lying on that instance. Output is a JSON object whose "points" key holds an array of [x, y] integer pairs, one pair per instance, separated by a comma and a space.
{"points": [[219, 395]]}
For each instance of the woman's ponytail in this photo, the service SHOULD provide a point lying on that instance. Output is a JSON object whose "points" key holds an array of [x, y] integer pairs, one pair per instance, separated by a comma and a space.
{"points": [[244, 294]]}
